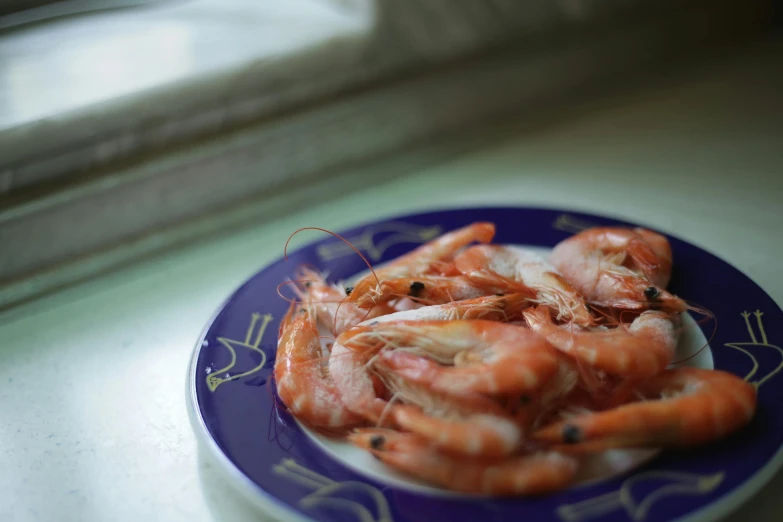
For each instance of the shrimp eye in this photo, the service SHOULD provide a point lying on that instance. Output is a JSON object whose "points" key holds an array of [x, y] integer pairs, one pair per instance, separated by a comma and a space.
{"points": [[415, 288], [524, 399], [348, 290], [376, 442], [571, 434], [651, 292], [308, 284]]}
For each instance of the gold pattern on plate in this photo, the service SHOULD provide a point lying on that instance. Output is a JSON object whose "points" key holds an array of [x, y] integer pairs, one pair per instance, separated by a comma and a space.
{"points": [[366, 241], [757, 342], [329, 493], [675, 483], [253, 336]]}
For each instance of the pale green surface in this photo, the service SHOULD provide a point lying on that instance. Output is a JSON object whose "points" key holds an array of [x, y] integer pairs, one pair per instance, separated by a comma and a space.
{"points": [[92, 399]]}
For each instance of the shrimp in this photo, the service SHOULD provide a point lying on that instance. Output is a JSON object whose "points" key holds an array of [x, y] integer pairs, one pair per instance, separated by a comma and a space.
{"points": [[461, 423], [421, 261], [328, 302], [507, 268], [641, 350], [524, 475], [680, 407], [619, 268], [502, 308], [303, 384], [489, 357], [425, 289]]}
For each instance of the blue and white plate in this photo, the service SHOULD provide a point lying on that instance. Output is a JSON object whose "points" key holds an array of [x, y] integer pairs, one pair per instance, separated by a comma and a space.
{"points": [[298, 475]]}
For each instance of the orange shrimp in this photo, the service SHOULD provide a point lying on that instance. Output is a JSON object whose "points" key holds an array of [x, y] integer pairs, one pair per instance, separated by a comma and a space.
{"points": [[525, 475], [491, 308], [694, 406], [513, 269], [643, 349], [425, 289], [421, 261], [461, 423], [303, 384], [328, 302], [489, 357], [619, 268]]}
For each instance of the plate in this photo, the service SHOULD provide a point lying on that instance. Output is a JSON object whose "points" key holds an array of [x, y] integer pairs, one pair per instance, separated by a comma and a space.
{"points": [[296, 474]]}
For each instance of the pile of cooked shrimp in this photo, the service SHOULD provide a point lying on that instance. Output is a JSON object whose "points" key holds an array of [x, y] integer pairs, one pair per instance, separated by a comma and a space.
{"points": [[484, 368]]}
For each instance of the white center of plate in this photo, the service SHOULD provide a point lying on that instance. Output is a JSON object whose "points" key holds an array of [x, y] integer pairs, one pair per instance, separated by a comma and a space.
{"points": [[598, 467]]}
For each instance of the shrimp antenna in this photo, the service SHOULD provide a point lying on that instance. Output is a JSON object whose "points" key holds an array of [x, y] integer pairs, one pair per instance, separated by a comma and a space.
{"points": [[358, 252], [708, 315], [701, 310], [269, 386], [277, 426], [291, 300], [369, 265]]}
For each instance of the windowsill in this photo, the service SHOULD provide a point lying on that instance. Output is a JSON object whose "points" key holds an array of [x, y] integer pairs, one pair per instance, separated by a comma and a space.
{"points": [[174, 69], [81, 93], [111, 56]]}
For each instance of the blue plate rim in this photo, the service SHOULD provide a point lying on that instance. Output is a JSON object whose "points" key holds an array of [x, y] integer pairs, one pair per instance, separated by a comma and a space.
{"points": [[261, 499]]}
